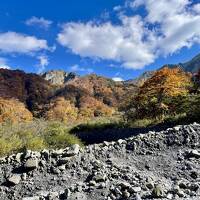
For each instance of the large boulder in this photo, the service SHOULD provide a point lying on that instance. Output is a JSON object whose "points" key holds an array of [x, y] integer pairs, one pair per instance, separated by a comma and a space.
{"points": [[31, 164], [14, 179]]}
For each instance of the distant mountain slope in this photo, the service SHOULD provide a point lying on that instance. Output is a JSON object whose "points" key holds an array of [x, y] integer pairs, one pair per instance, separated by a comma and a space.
{"points": [[141, 79], [102, 89], [193, 65], [96, 94], [31, 89]]}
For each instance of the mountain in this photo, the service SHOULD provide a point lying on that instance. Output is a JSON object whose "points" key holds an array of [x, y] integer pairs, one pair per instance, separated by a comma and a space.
{"points": [[31, 89], [58, 77], [193, 65], [139, 81], [103, 89], [89, 95], [86, 96]]}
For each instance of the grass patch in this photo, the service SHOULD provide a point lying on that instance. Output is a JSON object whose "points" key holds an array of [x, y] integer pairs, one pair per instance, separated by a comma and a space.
{"points": [[142, 123], [57, 136], [35, 135], [167, 120]]}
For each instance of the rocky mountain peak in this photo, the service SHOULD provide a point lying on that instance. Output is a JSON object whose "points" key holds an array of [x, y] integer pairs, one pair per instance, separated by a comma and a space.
{"points": [[59, 77], [141, 79]]}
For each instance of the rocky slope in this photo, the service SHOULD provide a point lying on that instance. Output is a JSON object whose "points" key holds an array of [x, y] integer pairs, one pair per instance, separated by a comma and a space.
{"points": [[156, 165], [59, 77], [102, 89], [139, 81]]}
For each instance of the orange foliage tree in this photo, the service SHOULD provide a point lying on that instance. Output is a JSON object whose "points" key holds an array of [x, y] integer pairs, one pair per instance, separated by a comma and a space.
{"points": [[167, 82], [91, 107], [61, 110], [154, 95], [12, 110]]}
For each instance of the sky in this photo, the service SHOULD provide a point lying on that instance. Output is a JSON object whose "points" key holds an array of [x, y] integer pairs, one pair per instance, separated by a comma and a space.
{"points": [[119, 39]]}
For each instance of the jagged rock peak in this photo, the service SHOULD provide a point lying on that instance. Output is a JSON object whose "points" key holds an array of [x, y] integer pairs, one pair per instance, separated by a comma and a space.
{"points": [[59, 77]]}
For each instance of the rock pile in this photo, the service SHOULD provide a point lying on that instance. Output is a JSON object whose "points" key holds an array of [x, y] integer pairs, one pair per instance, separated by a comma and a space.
{"points": [[156, 165]]}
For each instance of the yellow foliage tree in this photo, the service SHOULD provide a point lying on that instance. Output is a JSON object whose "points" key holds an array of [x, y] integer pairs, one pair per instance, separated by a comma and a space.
{"points": [[91, 107], [61, 110], [12, 110], [166, 82], [153, 96]]}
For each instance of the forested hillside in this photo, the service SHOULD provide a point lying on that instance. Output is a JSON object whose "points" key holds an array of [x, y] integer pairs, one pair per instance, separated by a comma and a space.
{"points": [[75, 98]]}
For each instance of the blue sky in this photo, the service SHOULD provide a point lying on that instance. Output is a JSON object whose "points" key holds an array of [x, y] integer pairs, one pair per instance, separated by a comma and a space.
{"points": [[113, 38]]}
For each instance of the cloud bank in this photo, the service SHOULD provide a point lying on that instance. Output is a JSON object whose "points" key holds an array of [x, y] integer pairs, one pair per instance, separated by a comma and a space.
{"points": [[12, 42], [136, 41]]}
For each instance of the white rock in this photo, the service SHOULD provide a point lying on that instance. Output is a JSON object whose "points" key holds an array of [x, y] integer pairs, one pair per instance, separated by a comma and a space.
{"points": [[72, 151], [31, 164], [14, 179], [136, 189], [31, 198], [195, 153], [169, 196]]}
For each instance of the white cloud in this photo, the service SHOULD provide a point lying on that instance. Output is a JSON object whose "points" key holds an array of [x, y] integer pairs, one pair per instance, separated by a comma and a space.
{"points": [[44, 61], [39, 22], [137, 41], [117, 79], [12, 42], [77, 68], [196, 8], [3, 64], [159, 11], [4, 67], [117, 8], [178, 24], [110, 42]]}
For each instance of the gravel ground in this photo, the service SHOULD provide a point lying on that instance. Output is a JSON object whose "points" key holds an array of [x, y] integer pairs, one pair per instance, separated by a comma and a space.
{"points": [[156, 165]]}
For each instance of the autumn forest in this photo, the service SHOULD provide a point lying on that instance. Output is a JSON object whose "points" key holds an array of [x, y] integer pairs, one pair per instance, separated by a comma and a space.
{"points": [[40, 111]]}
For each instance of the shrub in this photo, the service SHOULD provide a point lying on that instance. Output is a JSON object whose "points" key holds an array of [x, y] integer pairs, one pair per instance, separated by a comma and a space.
{"points": [[58, 136], [35, 136], [61, 110], [11, 110], [30, 141], [142, 123], [9, 145], [97, 126]]}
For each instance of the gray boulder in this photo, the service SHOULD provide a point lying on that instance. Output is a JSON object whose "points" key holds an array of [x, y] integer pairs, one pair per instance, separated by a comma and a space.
{"points": [[31, 164], [14, 179]]}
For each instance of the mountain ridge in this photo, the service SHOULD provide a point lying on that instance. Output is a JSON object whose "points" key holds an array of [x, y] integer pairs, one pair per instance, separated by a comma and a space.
{"points": [[91, 94]]}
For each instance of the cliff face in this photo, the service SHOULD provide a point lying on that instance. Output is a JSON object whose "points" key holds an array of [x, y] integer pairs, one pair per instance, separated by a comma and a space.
{"points": [[58, 77]]}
